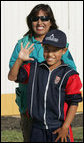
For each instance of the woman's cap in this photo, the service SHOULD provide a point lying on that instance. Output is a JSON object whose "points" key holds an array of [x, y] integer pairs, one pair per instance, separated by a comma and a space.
{"points": [[55, 38]]}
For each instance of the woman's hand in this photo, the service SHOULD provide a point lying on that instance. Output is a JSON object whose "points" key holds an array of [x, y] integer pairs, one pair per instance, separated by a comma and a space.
{"points": [[24, 52], [62, 134]]}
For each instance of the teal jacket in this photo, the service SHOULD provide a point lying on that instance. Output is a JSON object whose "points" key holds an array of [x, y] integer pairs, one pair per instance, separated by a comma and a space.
{"points": [[37, 54]]}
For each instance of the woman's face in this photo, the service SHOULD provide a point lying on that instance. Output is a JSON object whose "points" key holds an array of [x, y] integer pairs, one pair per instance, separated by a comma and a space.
{"points": [[41, 27]]}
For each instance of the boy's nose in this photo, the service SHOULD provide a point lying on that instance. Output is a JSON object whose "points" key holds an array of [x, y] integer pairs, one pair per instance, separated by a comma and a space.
{"points": [[49, 53]]}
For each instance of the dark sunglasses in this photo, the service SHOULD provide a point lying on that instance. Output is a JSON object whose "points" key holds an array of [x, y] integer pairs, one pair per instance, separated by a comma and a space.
{"points": [[42, 18]]}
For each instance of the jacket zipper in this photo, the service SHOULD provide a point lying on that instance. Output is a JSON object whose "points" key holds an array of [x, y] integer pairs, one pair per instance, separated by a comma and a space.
{"points": [[45, 97]]}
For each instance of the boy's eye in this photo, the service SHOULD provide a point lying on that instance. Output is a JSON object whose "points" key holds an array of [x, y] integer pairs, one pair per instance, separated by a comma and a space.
{"points": [[46, 50], [52, 49]]}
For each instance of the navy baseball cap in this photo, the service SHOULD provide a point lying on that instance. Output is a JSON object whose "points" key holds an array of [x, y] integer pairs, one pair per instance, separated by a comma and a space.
{"points": [[55, 38]]}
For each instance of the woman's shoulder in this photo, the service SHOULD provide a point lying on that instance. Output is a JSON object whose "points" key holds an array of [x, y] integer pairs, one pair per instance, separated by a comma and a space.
{"points": [[24, 39]]}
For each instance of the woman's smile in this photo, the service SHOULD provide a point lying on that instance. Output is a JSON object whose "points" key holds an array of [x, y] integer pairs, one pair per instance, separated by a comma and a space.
{"points": [[40, 27]]}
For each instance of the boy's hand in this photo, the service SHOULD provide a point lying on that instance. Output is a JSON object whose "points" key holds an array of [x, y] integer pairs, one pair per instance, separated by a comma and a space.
{"points": [[24, 52], [62, 133]]}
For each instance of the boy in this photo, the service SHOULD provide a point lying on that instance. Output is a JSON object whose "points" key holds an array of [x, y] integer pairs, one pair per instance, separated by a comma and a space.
{"points": [[49, 85]]}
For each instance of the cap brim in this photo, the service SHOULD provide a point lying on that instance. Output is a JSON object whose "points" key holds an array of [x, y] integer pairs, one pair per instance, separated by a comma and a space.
{"points": [[52, 44]]}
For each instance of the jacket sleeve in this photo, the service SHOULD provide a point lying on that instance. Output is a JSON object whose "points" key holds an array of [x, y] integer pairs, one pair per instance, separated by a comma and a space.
{"points": [[72, 90], [14, 55], [23, 74]]}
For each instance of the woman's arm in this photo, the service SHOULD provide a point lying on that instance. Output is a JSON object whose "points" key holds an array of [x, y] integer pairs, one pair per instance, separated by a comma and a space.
{"points": [[23, 56], [14, 55]]}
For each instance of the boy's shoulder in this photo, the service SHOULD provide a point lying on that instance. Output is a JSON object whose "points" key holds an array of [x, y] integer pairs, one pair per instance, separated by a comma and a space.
{"points": [[68, 68], [70, 71]]}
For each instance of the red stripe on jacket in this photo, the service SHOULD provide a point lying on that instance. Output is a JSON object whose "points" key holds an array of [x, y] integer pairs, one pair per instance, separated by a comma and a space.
{"points": [[27, 68], [73, 85], [70, 129]]}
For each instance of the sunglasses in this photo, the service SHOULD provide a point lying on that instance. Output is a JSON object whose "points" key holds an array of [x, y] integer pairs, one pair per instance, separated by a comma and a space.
{"points": [[42, 18]]}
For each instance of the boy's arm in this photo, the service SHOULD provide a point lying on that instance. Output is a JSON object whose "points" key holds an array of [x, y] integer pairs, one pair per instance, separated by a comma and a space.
{"points": [[63, 131], [23, 56], [14, 70], [70, 116], [73, 97]]}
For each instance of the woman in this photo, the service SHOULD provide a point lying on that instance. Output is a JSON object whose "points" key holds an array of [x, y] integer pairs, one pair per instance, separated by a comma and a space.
{"points": [[39, 21]]}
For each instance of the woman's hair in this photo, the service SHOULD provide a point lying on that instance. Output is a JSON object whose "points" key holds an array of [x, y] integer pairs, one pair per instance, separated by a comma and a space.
{"points": [[34, 12]]}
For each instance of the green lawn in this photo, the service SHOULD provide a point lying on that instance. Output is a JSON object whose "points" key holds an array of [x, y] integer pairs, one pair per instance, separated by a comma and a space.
{"points": [[16, 136], [78, 134], [11, 136]]}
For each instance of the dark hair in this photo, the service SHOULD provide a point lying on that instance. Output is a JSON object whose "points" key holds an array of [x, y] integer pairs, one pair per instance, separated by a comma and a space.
{"points": [[34, 12]]}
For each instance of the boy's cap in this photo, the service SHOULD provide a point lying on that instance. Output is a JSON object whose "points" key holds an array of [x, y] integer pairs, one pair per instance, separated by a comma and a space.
{"points": [[55, 38]]}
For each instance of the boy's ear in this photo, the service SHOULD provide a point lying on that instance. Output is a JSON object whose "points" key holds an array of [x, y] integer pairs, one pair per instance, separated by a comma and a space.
{"points": [[64, 50]]}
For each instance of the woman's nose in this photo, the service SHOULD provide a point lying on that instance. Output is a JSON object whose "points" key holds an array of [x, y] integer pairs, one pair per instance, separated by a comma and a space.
{"points": [[39, 21]]}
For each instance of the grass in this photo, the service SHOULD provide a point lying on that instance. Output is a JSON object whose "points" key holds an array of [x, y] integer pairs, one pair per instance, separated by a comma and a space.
{"points": [[78, 134], [16, 135], [11, 136]]}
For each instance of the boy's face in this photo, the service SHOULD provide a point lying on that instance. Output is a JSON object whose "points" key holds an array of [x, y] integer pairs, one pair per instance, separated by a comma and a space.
{"points": [[53, 55]]}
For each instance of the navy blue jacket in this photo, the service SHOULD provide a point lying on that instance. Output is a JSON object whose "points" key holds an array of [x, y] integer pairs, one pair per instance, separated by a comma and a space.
{"points": [[47, 93]]}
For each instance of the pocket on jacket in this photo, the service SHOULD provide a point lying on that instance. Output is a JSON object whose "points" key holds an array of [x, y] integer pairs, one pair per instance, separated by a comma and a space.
{"points": [[18, 97]]}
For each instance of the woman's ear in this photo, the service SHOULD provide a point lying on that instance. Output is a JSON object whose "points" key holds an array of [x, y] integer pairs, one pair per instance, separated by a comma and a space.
{"points": [[64, 50]]}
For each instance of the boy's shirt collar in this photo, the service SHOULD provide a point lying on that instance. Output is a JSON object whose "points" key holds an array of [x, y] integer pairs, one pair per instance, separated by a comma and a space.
{"points": [[46, 65]]}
